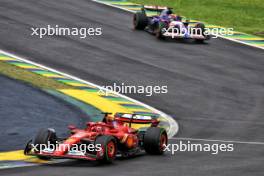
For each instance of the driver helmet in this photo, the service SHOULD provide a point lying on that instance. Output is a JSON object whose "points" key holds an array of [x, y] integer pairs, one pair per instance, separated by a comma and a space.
{"points": [[168, 11]]}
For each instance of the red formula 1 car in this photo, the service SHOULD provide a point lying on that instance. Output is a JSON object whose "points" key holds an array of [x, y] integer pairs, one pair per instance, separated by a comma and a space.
{"points": [[101, 141]]}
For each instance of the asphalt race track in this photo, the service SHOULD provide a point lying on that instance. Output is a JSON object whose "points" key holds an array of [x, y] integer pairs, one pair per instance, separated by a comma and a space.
{"points": [[216, 90], [25, 109]]}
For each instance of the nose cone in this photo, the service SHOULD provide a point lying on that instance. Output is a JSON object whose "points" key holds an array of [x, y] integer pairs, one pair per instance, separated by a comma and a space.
{"points": [[62, 149], [66, 145]]}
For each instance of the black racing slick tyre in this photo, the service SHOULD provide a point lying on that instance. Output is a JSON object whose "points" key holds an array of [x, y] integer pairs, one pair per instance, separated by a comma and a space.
{"points": [[155, 140], [201, 31], [43, 137], [108, 147], [140, 21], [159, 31]]}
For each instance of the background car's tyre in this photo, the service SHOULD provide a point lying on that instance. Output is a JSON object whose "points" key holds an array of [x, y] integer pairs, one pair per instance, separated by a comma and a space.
{"points": [[159, 32], [200, 26], [140, 21], [43, 137], [109, 147], [154, 140]]}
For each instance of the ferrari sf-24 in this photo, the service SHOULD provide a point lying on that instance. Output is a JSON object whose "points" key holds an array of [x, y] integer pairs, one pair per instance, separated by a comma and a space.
{"points": [[109, 138]]}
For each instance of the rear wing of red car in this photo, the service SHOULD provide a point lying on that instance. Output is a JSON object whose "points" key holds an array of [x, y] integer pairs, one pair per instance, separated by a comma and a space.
{"points": [[138, 118]]}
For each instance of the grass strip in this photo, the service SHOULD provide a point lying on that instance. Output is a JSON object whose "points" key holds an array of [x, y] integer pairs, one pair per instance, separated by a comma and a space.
{"points": [[31, 78]]}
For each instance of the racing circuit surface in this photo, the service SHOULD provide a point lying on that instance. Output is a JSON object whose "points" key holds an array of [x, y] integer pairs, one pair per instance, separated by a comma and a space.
{"points": [[216, 90], [25, 109]]}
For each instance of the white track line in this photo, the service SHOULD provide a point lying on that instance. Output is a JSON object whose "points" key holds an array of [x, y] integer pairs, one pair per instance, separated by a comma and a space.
{"points": [[99, 2], [241, 42], [9, 166], [174, 127], [28, 164], [219, 140], [131, 11]]}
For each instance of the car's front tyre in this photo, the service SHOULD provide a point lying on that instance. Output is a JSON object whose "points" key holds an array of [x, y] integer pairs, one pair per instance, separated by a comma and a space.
{"points": [[43, 137], [160, 30], [200, 28], [108, 146]]}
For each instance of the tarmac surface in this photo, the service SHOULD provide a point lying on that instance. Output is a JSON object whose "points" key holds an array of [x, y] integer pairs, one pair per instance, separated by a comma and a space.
{"points": [[215, 90]]}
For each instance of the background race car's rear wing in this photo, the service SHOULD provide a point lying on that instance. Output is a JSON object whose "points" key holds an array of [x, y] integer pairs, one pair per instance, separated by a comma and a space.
{"points": [[155, 8]]}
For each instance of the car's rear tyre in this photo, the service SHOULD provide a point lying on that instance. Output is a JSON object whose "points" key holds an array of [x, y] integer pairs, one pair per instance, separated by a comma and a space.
{"points": [[155, 139], [108, 147], [43, 137], [140, 21], [200, 26]]}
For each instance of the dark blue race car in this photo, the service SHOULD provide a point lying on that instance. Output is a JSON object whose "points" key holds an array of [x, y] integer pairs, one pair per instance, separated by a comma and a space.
{"points": [[166, 24]]}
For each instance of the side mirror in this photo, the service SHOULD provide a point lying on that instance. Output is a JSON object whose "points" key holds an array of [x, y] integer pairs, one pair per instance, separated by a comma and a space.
{"points": [[72, 127]]}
